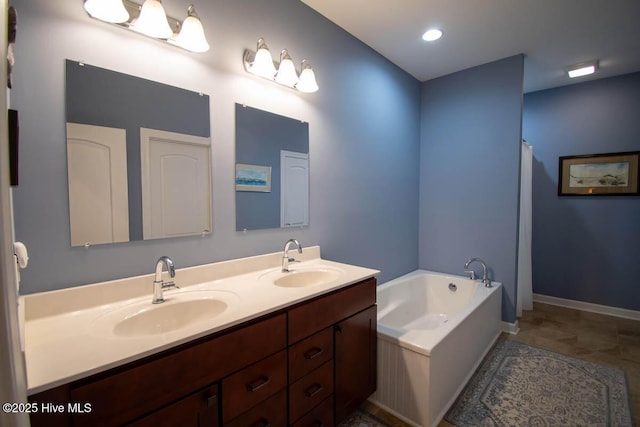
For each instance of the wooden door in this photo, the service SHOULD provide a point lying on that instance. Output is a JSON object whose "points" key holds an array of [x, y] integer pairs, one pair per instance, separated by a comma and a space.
{"points": [[294, 189], [98, 194]]}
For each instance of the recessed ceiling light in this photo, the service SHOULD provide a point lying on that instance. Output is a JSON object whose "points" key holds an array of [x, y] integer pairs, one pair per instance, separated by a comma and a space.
{"points": [[431, 35], [583, 69]]}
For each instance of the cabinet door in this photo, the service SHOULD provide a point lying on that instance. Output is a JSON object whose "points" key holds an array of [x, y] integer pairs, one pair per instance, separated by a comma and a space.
{"points": [[355, 361], [201, 409]]}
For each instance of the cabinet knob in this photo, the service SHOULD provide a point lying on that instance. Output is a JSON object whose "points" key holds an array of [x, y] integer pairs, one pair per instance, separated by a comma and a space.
{"points": [[212, 400], [313, 353], [339, 329], [313, 390], [258, 384]]}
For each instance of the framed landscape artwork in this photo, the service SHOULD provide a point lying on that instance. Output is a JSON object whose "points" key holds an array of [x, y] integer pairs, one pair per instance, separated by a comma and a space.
{"points": [[612, 174], [253, 178]]}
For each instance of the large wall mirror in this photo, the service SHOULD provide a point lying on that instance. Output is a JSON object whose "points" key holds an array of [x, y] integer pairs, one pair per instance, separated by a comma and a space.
{"points": [[138, 158], [272, 170]]}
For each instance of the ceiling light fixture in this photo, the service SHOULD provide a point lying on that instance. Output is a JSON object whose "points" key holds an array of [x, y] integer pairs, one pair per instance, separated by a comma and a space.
{"points": [[583, 69], [432, 35], [151, 20], [284, 72]]}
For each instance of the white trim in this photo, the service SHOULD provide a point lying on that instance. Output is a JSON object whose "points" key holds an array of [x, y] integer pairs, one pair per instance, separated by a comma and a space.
{"points": [[510, 328], [587, 306]]}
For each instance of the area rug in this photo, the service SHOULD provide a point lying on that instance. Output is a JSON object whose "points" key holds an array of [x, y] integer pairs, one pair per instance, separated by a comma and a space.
{"points": [[362, 419], [520, 385]]}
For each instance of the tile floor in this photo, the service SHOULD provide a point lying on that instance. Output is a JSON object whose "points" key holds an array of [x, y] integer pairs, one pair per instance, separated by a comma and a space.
{"points": [[595, 337]]}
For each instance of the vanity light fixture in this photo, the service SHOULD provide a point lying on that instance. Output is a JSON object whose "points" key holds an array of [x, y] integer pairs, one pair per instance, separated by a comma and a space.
{"points": [[583, 69], [151, 20], [284, 72]]}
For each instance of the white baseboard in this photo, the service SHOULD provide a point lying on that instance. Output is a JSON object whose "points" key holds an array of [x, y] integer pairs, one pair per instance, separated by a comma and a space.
{"points": [[510, 328], [587, 306]]}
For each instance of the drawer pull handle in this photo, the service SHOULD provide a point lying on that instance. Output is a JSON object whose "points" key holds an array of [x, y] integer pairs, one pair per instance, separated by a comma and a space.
{"points": [[313, 390], [258, 384], [212, 400], [339, 329], [262, 423], [314, 352], [318, 424]]}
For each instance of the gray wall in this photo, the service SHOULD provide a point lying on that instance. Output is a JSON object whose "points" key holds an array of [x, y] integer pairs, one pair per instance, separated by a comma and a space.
{"points": [[584, 248], [364, 129], [469, 172]]}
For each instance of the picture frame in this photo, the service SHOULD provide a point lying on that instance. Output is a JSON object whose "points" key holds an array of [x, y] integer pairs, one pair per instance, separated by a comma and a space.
{"points": [[253, 178], [609, 174]]}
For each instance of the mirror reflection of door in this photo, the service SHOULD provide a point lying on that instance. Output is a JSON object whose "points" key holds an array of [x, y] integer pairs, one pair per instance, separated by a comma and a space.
{"points": [[294, 193], [175, 184], [98, 195]]}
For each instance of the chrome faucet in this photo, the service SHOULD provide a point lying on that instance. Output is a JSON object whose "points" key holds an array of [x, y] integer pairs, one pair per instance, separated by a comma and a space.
{"points": [[160, 285], [485, 275], [285, 257]]}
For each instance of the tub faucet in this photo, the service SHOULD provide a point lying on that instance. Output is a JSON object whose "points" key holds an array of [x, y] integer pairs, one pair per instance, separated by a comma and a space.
{"points": [[485, 275], [285, 257], [160, 285]]}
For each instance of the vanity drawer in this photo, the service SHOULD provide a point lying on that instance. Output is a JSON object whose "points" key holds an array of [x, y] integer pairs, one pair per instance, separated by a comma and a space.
{"points": [[310, 353], [253, 384], [141, 388], [272, 412], [310, 390], [320, 416], [312, 316], [199, 409]]}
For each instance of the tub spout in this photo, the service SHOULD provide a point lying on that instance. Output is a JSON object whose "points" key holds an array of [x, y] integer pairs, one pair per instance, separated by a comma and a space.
{"points": [[485, 274]]}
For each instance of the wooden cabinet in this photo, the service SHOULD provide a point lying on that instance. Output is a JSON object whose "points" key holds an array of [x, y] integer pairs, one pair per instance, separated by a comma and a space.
{"points": [[306, 365], [345, 320], [199, 409], [356, 342]]}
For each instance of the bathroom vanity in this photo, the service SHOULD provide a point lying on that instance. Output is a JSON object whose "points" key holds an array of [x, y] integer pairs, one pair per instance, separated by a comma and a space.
{"points": [[303, 353]]}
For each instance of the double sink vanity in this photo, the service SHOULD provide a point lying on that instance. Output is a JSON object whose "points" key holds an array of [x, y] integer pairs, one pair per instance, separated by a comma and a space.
{"points": [[240, 343]]}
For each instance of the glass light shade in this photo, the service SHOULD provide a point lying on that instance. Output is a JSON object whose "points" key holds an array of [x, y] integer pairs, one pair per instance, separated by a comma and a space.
{"points": [[263, 63], [153, 21], [107, 10], [287, 74], [307, 82], [191, 36]]}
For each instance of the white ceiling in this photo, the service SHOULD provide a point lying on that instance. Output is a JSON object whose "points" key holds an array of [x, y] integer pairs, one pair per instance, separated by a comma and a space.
{"points": [[553, 34]]}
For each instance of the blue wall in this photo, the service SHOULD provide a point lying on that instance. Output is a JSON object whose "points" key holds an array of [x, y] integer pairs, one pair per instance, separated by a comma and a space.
{"points": [[469, 172], [584, 248], [364, 136]]}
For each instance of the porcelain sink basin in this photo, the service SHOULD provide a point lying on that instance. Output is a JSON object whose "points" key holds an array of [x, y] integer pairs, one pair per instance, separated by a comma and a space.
{"points": [[304, 278], [179, 311]]}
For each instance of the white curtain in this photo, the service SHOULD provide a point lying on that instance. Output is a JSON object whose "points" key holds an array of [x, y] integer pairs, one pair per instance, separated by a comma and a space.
{"points": [[525, 291]]}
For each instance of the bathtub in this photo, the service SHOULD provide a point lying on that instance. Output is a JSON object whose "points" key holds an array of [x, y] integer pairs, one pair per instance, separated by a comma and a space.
{"points": [[433, 331]]}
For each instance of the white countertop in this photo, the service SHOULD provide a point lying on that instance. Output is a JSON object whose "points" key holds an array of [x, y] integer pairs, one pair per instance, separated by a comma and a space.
{"points": [[69, 333]]}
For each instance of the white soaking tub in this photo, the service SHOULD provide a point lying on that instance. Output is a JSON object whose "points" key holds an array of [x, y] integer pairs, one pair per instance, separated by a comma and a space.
{"points": [[433, 331]]}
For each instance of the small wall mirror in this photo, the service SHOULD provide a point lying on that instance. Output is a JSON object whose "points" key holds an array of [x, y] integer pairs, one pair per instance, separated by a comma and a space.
{"points": [[138, 158], [272, 170]]}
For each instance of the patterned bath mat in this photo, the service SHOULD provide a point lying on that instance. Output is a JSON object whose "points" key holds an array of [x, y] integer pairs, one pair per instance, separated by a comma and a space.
{"points": [[362, 419], [520, 385]]}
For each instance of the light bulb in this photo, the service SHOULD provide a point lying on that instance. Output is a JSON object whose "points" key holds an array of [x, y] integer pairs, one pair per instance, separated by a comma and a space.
{"points": [[153, 20], [307, 82], [191, 36], [287, 74], [107, 10]]}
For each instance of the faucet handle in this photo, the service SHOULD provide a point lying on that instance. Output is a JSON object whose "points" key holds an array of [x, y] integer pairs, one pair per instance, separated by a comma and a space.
{"points": [[471, 273]]}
